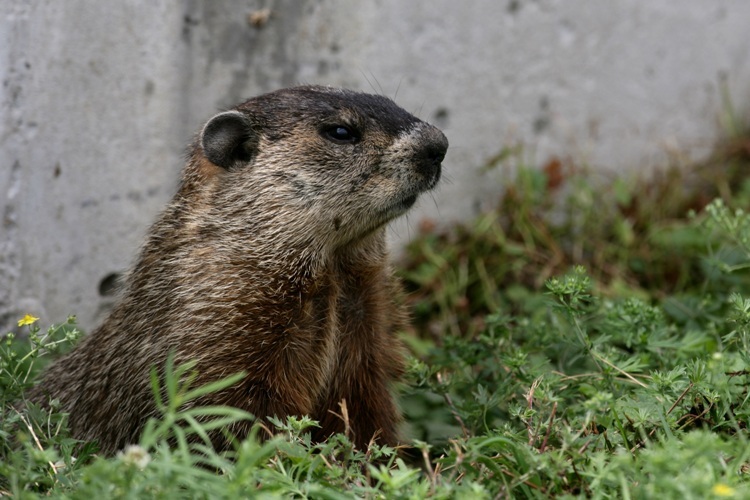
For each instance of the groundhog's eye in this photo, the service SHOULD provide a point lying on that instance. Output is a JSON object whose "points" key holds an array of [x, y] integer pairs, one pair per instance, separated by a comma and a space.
{"points": [[341, 134]]}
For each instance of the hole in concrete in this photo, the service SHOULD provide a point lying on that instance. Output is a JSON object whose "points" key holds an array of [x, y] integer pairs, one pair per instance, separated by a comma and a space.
{"points": [[441, 117], [109, 285]]}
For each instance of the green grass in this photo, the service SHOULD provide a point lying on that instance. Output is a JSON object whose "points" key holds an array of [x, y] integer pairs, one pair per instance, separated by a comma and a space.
{"points": [[585, 339]]}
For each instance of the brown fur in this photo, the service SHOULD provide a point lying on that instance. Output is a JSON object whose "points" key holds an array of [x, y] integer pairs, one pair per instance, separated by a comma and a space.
{"points": [[270, 260]]}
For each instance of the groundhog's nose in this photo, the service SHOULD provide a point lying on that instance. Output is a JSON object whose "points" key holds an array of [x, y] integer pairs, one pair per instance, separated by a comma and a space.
{"points": [[431, 153]]}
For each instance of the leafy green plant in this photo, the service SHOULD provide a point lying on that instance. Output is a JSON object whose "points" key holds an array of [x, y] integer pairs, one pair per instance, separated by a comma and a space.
{"points": [[602, 395]]}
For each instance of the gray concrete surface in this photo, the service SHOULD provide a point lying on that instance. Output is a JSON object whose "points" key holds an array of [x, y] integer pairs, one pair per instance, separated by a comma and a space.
{"points": [[99, 100]]}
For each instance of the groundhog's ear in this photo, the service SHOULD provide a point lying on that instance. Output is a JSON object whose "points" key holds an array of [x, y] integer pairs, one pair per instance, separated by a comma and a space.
{"points": [[228, 139]]}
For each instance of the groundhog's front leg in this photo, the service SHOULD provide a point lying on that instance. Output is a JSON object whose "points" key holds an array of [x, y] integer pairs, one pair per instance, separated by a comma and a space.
{"points": [[369, 360], [362, 382]]}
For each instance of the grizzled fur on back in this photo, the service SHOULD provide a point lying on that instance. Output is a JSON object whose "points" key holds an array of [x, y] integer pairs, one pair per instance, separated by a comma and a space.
{"points": [[270, 260]]}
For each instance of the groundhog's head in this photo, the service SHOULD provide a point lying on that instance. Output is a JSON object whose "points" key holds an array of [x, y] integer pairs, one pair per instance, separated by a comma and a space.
{"points": [[321, 161]]}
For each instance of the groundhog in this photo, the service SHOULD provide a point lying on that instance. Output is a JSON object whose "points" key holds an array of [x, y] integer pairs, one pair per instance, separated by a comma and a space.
{"points": [[270, 260]]}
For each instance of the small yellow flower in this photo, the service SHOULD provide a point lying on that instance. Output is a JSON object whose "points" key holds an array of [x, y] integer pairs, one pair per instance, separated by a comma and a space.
{"points": [[27, 320], [722, 490]]}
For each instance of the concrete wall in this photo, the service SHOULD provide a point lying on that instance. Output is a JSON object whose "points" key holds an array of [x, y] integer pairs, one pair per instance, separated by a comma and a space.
{"points": [[99, 100]]}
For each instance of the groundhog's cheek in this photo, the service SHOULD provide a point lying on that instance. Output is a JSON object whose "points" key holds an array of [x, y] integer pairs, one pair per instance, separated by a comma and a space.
{"points": [[381, 186], [398, 175], [385, 198], [295, 187]]}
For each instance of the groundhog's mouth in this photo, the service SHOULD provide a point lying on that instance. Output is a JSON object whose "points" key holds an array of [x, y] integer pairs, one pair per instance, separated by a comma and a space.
{"points": [[408, 201], [398, 207], [402, 205]]}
